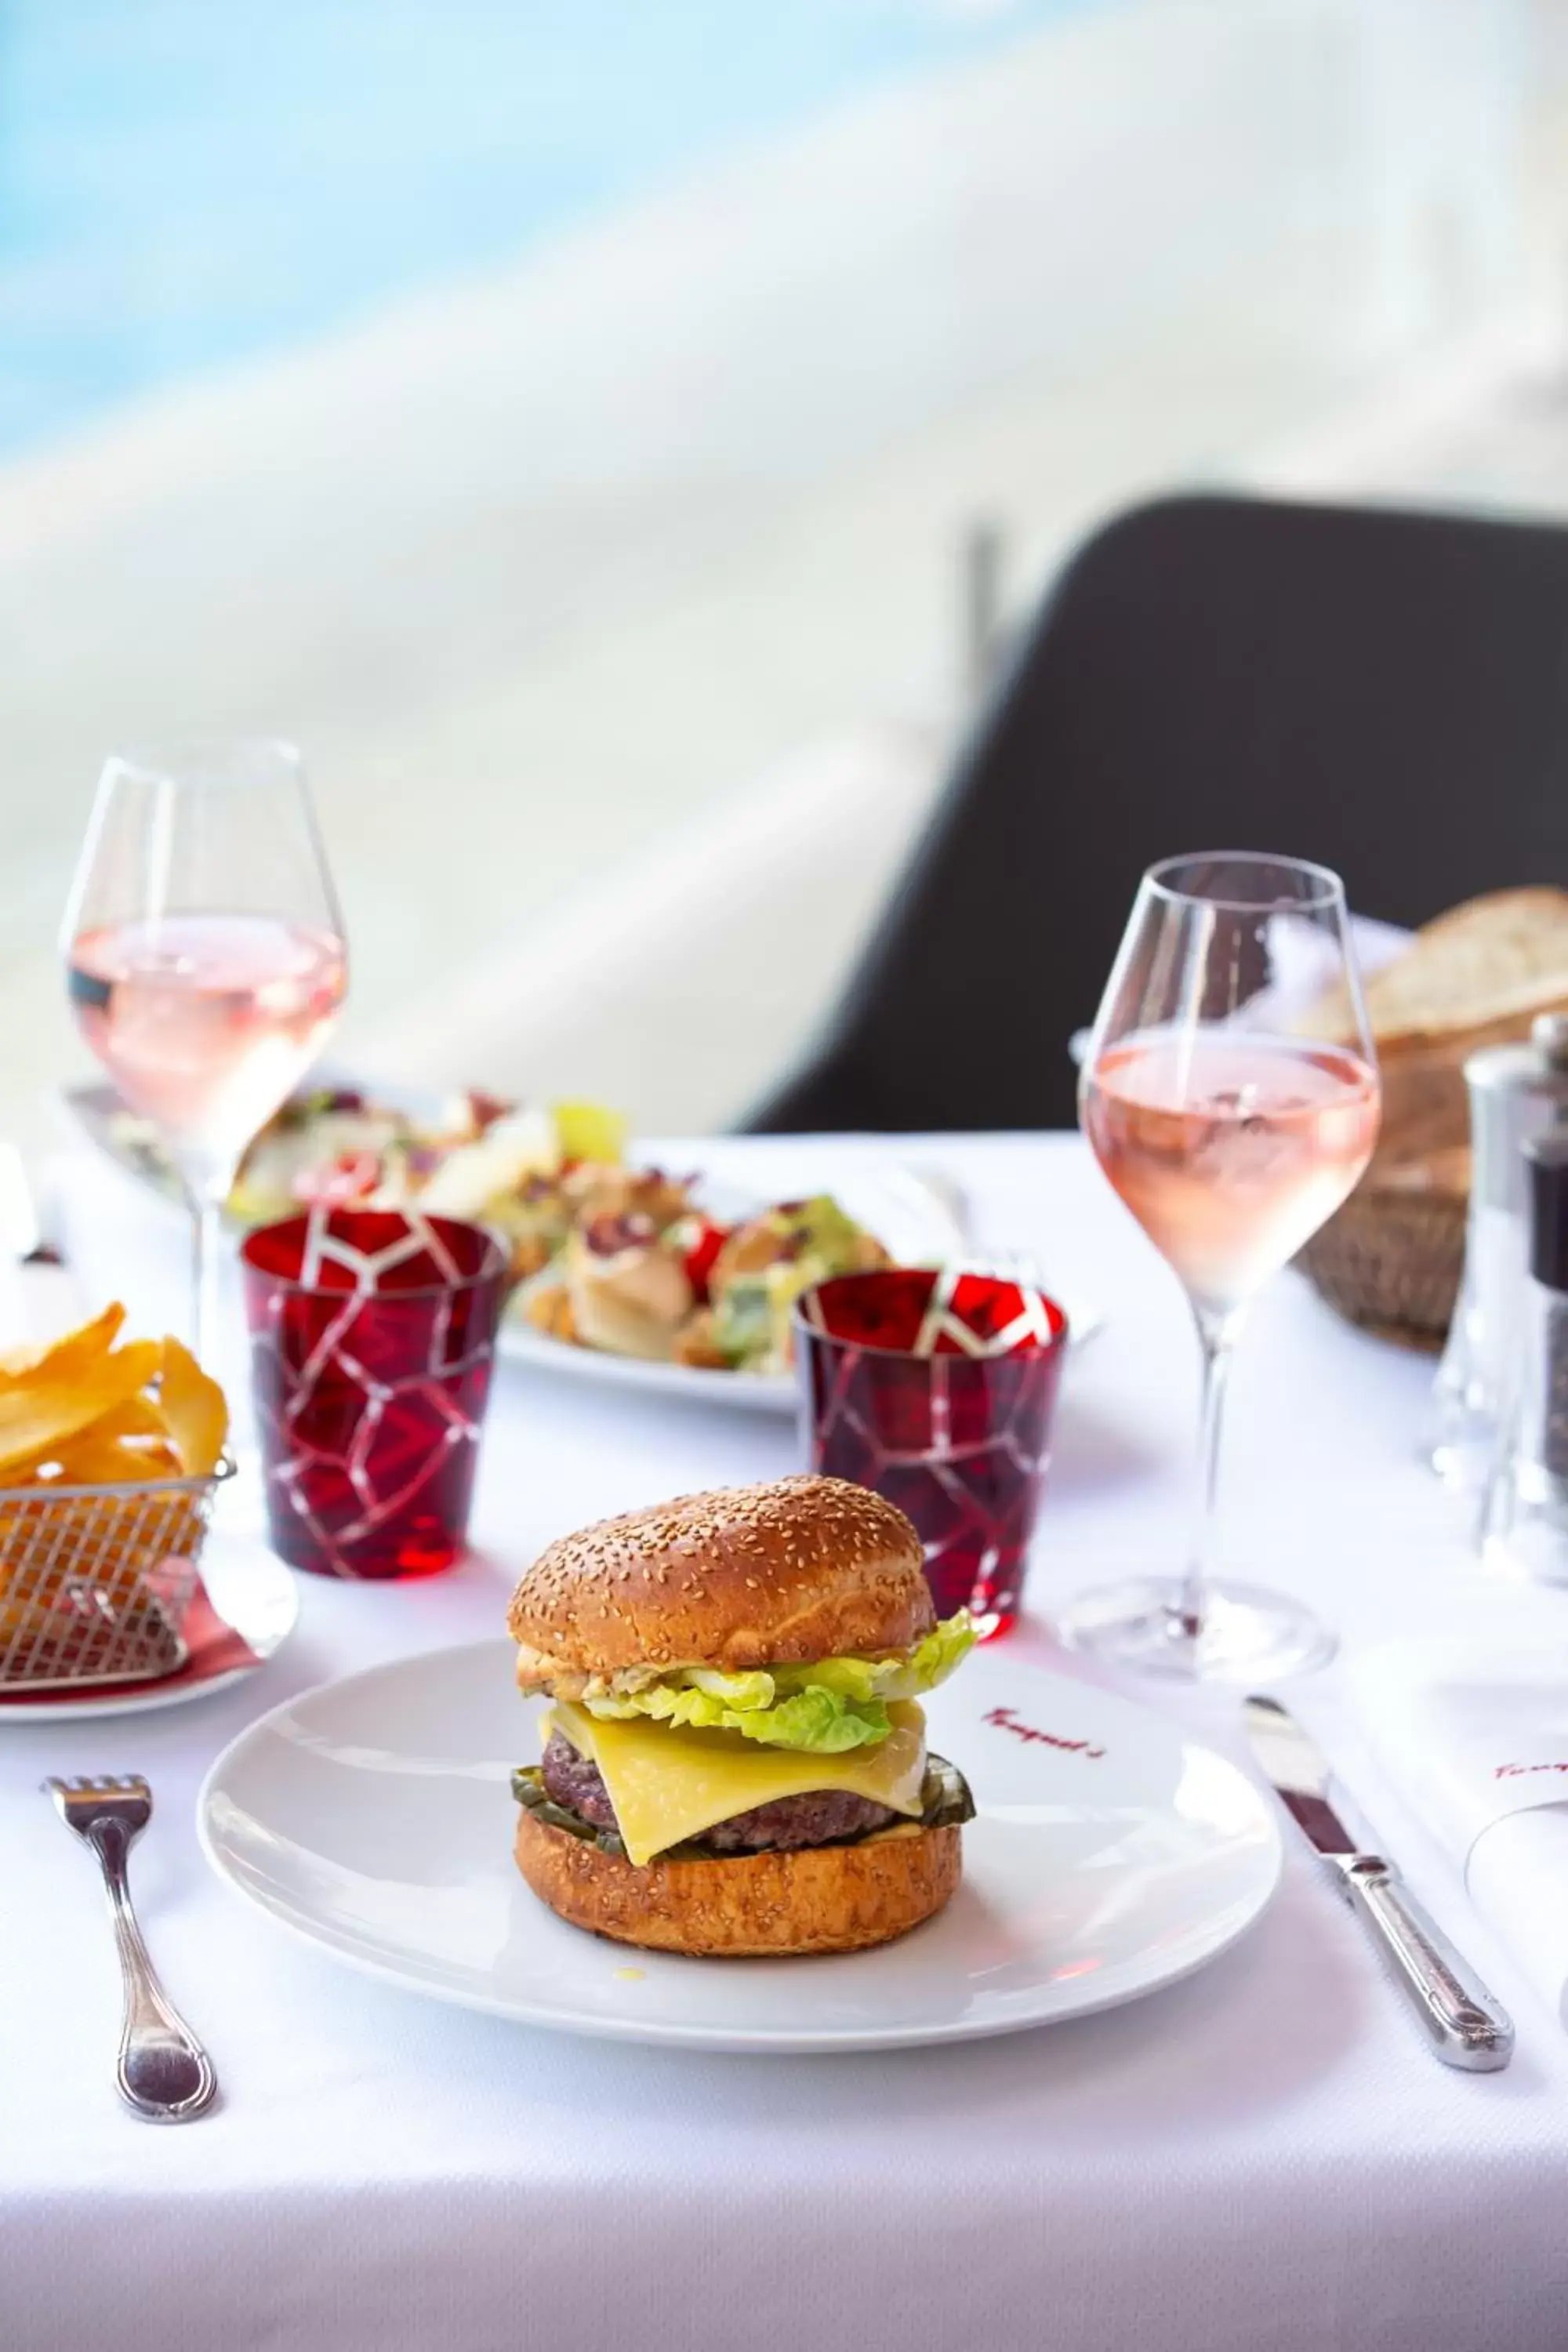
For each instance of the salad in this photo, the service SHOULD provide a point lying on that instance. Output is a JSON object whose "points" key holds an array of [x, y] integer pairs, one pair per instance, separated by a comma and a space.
{"points": [[645, 1271], [605, 1255]]}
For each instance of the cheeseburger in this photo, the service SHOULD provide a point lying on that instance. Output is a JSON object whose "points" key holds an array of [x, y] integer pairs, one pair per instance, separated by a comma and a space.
{"points": [[735, 1759]]}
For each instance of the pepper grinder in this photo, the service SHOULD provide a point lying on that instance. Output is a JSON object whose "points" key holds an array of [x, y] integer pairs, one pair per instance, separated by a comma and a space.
{"points": [[1525, 1520], [1516, 1092]]}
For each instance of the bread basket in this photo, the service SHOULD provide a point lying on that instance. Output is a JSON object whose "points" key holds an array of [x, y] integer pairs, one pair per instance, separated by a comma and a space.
{"points": [[1478, 976], [1391, 1259]]}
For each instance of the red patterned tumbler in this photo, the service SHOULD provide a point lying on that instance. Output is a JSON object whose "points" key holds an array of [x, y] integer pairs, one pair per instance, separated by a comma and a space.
{"points": [[938, 1391], [372, 1336]]}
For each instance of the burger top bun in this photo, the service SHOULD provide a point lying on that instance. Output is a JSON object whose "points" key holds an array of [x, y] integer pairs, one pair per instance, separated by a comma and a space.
{"points": [[803, 1568]]}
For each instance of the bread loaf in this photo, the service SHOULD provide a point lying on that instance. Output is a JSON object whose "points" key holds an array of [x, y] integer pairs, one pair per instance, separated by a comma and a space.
{"points": [[1477, 976]]}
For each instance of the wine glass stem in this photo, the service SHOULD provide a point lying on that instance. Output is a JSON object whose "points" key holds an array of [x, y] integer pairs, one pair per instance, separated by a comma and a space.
{"points": [[207, 1235], [1216, 1337]]}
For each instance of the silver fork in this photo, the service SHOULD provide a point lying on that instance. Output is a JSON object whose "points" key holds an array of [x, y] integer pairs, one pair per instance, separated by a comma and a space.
{"points": [[162, 2072]]}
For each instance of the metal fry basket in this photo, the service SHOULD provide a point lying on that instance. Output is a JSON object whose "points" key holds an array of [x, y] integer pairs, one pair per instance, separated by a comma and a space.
{"points": [[95, 1582]]}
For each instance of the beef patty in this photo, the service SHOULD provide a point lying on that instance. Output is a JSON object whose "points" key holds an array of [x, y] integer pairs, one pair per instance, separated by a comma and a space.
{"points": [[822, 1818]]}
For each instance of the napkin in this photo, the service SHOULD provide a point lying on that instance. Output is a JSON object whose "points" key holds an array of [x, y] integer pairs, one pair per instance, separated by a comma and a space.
{"points": [[213, 1647], [1476, 1739]]}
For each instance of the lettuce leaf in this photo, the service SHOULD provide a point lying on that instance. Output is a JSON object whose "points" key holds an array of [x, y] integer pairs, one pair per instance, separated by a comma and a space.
{"points": [[906, 1675], [821, 1708], [943, 1648]]}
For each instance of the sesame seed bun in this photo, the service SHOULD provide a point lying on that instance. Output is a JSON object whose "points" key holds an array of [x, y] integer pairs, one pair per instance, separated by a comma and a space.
{"points": [[748, 1576], [829, 1898]]}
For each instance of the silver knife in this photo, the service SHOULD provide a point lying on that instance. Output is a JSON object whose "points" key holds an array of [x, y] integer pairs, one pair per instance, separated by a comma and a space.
{"points": [[1468, 2025]]}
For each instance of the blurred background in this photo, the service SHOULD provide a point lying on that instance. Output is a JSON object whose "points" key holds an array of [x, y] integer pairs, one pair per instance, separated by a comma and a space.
{"points": [[615, 436]]}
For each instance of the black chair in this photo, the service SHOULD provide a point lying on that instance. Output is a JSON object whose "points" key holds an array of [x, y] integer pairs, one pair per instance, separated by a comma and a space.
{"points": [[1384, 691]]}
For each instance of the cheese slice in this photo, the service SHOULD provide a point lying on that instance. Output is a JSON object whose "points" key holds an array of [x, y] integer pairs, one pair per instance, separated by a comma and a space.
{"points": [[667, 1784]]}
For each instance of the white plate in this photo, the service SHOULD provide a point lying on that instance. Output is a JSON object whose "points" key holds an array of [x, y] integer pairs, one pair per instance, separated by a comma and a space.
{"points": [[914, 1216], [249, 1587], [683, 1383], [1111, 1853]]}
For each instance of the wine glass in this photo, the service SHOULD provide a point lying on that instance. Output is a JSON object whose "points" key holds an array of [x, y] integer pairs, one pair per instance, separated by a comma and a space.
{"points": [[204, 958], [1230, 1093]]}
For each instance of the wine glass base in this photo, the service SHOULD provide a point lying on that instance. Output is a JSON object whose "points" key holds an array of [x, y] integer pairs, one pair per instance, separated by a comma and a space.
{"points": [[1249, 1634]]}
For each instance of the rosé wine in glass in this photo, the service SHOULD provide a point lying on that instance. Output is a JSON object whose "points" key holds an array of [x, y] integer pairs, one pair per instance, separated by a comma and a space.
{"points": [[1230, 1151], [1231, 1095], [204, 958], [207, 1022]]}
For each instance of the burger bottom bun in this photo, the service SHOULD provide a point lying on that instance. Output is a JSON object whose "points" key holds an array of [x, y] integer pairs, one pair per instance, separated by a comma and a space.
{"points": [[827, 1898]]}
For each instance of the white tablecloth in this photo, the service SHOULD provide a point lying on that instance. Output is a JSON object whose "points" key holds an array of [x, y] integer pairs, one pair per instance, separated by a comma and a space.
{"points": [[1266, 2158]]}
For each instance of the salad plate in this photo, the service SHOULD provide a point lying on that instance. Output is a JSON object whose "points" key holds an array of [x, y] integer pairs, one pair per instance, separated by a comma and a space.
{"points": [[1111, 1854], [913, 1215], [680, 1383], [916, 1216]]}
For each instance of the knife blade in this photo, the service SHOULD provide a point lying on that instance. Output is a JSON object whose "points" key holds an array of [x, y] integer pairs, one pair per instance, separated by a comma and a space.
{"points": [[1468, 2026]]}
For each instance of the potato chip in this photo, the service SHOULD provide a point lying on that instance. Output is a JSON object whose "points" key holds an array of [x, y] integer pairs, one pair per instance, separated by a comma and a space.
{"points": [[77, 1413], [91, 1460], [194, 1411], [138, 1417], [71, 1357], [65, 1392]]}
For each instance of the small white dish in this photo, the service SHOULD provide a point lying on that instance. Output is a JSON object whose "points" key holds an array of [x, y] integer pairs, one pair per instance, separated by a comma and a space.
{"points": [[1112, 1854], [251, 1592]]}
